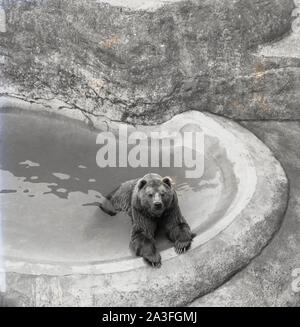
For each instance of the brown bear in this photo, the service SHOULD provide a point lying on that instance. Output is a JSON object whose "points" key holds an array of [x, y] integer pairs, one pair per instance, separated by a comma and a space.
{"points": [[152, 203]]}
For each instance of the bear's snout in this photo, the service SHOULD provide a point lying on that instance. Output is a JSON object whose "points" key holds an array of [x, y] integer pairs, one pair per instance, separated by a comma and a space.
{"points": [[157, 202], [157, 198], [157, 205]]}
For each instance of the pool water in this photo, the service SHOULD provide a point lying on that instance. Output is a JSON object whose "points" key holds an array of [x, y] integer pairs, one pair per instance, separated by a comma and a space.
{"points": [[51, 186]]}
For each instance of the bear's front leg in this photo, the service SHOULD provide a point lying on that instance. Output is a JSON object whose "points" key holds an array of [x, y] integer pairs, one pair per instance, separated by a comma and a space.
{"points": [[181, 235], [142, 239], [177, 229], [144, 246]]}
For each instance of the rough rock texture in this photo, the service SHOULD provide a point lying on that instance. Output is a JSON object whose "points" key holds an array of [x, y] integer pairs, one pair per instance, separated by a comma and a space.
{"points": [[143, 61]]}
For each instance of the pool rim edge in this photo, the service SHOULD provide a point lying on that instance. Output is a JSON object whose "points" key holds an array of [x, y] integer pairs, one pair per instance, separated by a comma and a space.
{"points": [[268, 219]]}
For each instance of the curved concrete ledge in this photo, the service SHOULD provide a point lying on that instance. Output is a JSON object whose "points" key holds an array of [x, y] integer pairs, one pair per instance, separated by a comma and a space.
{"points": [[249, 225]]}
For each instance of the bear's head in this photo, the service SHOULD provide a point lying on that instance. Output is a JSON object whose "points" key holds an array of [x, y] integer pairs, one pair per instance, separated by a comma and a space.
{"points": [[155, 194]]}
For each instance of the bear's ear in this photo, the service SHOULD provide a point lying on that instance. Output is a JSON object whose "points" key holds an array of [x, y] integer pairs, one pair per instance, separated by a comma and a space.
{"points": [[141, 183], [167, 180]]}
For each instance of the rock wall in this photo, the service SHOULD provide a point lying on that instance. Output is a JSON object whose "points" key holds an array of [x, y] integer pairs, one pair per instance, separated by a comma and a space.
{"points": [[144, 61]]}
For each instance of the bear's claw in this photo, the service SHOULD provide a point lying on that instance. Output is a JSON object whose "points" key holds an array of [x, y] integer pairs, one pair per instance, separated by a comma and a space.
{"points": [[181, 247], [156, 265], [154, 260]]}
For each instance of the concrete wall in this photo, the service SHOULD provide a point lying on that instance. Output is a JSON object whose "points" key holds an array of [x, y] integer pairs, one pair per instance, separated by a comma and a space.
{"points": [[144, 61]]}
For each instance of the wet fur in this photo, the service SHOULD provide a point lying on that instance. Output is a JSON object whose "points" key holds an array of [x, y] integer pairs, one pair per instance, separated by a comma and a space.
{"points": [[129, 197]]}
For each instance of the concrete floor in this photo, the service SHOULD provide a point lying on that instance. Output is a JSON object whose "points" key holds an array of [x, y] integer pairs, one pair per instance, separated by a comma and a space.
{"points": [[268, 279]]}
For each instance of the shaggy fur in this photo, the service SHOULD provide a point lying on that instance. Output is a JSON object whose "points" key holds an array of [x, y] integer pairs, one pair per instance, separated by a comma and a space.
{"points": [[152, 203]]}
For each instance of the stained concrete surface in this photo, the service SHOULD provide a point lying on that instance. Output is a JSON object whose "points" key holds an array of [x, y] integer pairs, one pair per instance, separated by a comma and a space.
{"points": [[267, 281]]}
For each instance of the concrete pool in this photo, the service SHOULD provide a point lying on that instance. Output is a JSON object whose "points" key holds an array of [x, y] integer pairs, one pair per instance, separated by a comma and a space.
{"points": [[56, 239]]}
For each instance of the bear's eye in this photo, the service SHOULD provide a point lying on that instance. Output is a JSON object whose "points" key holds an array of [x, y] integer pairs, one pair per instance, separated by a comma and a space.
{"points": [[163, 194], [150, 195]]}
